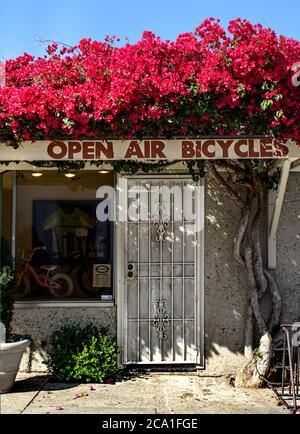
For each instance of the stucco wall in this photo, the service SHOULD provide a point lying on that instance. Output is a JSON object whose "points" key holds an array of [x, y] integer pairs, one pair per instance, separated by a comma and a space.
{"points": [[226, 287], [225, 282], [288, 250], [41, 322]]}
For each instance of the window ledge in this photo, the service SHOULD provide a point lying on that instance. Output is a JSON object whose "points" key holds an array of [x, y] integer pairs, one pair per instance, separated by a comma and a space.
{"points": [[63, 303]]}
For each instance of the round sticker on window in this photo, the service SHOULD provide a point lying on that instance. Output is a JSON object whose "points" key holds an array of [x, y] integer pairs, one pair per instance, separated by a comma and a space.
{"points": [[102, 275], [102, 268]]}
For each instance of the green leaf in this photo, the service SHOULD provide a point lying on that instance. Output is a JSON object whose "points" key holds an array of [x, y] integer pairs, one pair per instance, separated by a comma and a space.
{"points": [[266, 103], [68, 122], [83, 354]]}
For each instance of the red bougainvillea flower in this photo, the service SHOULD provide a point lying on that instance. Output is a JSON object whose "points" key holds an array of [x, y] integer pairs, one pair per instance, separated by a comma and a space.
{"points": [[80, 395], [205, 82]]}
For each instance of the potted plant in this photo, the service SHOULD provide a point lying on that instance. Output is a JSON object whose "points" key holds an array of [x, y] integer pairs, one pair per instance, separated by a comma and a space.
{"points": [[12, 347]]}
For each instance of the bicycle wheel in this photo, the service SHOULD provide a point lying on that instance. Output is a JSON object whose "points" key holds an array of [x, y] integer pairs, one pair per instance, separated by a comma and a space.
{"points": [[85, 280], [24, 288], [66, 285]]}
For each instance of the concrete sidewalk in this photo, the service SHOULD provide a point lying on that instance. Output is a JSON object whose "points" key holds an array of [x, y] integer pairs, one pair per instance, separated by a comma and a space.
{"points": [[149, 393]]}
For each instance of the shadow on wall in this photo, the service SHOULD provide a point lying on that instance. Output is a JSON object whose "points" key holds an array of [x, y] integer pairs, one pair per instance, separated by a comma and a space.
{"points": [[225, 298], [288, 250], [226, 294], [226, 285]]}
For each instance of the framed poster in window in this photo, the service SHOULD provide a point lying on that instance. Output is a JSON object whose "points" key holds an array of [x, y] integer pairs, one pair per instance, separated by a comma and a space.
{"points": [[74, 239]]}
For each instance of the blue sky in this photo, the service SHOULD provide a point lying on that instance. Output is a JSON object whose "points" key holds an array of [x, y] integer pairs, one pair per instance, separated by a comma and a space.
{"points": [[23, 23]]}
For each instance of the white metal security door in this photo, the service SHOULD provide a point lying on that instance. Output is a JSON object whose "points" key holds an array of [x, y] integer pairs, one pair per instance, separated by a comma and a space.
{"points": [[163, 271]]}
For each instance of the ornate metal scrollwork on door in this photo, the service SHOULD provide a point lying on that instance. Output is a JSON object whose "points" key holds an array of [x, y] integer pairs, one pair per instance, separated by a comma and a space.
{"points": [[161, 222], [161, 319]]}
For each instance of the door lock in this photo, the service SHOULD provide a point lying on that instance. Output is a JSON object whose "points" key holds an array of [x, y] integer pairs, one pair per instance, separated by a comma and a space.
{"points": [[130, 275]]}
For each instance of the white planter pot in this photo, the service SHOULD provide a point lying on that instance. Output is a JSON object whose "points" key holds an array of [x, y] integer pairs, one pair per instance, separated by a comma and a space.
{"points": [[10, 359]]}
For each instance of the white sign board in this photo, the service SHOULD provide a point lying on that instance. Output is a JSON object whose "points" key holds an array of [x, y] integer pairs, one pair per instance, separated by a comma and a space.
{"points": [[185, 149], [102, 276]]}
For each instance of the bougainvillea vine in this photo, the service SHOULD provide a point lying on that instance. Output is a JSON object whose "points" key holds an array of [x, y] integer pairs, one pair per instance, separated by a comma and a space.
{"points": [[206, 82]]}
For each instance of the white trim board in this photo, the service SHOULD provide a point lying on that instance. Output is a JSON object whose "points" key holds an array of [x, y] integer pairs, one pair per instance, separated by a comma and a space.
{"points": [[70, 304]]}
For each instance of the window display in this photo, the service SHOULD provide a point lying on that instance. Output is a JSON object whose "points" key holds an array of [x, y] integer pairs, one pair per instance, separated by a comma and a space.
{"points": [[63, 250]]}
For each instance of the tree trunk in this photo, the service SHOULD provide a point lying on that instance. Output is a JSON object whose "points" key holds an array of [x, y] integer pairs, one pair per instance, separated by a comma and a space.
{"points": [[247, 252], [252, 373]]}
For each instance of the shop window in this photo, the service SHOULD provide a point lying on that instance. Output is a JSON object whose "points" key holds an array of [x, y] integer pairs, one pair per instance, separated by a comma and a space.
{"points": [[6, 183], [63, 251]]}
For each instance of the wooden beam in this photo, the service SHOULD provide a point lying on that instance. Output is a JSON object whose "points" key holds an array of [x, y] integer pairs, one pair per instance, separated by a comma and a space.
{"points": [[275, 206]]}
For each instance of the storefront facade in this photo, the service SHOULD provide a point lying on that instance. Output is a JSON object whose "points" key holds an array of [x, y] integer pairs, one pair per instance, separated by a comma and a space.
{"points": [[162, 278]]}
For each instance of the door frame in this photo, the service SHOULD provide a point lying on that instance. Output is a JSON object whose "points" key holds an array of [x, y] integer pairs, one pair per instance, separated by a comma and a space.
{"points": [[120, 260]]}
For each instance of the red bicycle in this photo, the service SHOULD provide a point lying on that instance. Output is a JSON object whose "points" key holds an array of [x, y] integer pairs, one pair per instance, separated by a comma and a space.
{"points": [[59, 284]]}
